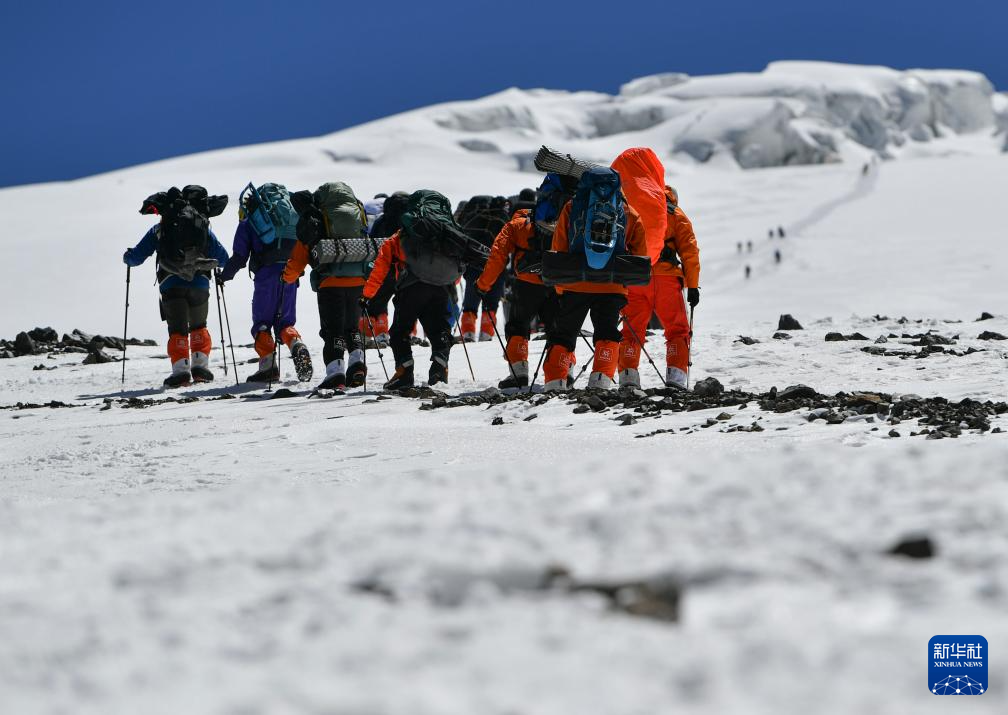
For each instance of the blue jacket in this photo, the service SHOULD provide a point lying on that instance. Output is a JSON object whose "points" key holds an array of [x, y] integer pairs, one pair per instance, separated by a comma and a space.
{"points": [[148, 245]]}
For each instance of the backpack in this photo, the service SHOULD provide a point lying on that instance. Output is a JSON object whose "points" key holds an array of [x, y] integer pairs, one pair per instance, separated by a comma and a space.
{"points": [[390, 219], [483, 217], [269, 212], [550, 198], [329, 223], [184, 232], [342, 213], [597, 219], [596, 237], [434, 245]]}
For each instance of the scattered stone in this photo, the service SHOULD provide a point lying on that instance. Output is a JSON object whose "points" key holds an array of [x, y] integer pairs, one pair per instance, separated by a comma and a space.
{"points": [[626, 420], [914, 547], [581, 409], [594, 402], [708, 387], [44, 335], [746, 340], [881, 339], [98, 357], [930, 339], [857, 336], [985, 316], [796, 392], [723, 416], [44, 367], [530, 417], [781, 336], [24, 345], [283, 393], [835, 337], [894, 433], [991, 335], [786, 322], [497, 421]]}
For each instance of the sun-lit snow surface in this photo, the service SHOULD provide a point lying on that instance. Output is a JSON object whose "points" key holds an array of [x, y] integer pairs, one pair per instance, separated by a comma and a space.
{"points": [[202, 558]]}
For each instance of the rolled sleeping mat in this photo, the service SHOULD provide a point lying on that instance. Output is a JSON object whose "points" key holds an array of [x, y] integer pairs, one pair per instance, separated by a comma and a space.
{"points": [[347, 250], [550, 160], [563, 268]]}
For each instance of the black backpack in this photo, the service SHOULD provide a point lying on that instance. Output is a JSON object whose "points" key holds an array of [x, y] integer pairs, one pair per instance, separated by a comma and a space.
{"points": [[483, 217], [390, 219], [184, 231]]}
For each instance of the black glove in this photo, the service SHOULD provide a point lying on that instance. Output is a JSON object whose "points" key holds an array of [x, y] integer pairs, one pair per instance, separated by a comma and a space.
{"points": [[219, 277], [363, 303], [692, 296]]}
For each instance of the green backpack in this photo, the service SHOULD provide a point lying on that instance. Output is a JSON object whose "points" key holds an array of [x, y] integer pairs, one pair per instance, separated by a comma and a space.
{"points": [[342, 214], [344, 220]]}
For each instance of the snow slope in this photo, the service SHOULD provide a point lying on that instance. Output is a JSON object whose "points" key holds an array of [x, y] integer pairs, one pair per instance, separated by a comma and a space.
{"points": [[360, 556]]}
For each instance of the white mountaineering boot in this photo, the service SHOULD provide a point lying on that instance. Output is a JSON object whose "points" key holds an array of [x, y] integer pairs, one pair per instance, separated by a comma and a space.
{"points": [[357, 370], [518, 375], [600, 381], [267, 371], [335, 376], [180, 375], [675, 376], [556, 385], [629, 377], [200, 367]]}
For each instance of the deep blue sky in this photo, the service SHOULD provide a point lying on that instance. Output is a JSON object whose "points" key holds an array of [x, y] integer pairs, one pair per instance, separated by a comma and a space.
{"points": [[93, 86]]}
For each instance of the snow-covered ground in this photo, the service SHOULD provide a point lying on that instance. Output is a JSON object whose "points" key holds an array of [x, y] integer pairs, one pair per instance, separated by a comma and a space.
{"points": [[355, 555]]}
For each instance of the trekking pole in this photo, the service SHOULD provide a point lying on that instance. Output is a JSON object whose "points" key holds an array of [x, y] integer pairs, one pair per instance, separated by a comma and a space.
{"points": [[220, 320], [227, 322], [466, 350], [125, 323], [587, 362], [504, 349], [542, 355], [644, 350], [689, 351], [276, 341], [377, 347]]}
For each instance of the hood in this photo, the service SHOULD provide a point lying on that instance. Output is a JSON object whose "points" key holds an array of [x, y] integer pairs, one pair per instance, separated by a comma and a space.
{"points": [[643, 179]]}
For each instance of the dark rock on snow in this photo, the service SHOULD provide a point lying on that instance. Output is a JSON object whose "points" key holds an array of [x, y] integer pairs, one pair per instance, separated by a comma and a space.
{"points": [[24, 345], [44, 335], [915, 547], [781, 336], [746, 340], [708, 387], [786, 322], [835, 337], [97, 357], [985, 316], [991, 335], [796, 392]]}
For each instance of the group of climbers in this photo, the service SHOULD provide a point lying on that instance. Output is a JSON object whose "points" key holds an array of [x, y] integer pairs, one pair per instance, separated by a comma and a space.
{"points": [[609, 243]]}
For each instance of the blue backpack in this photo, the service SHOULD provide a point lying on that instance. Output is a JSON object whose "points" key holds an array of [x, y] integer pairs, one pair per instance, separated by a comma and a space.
{"points": [[269, 212], [597, 219]]}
